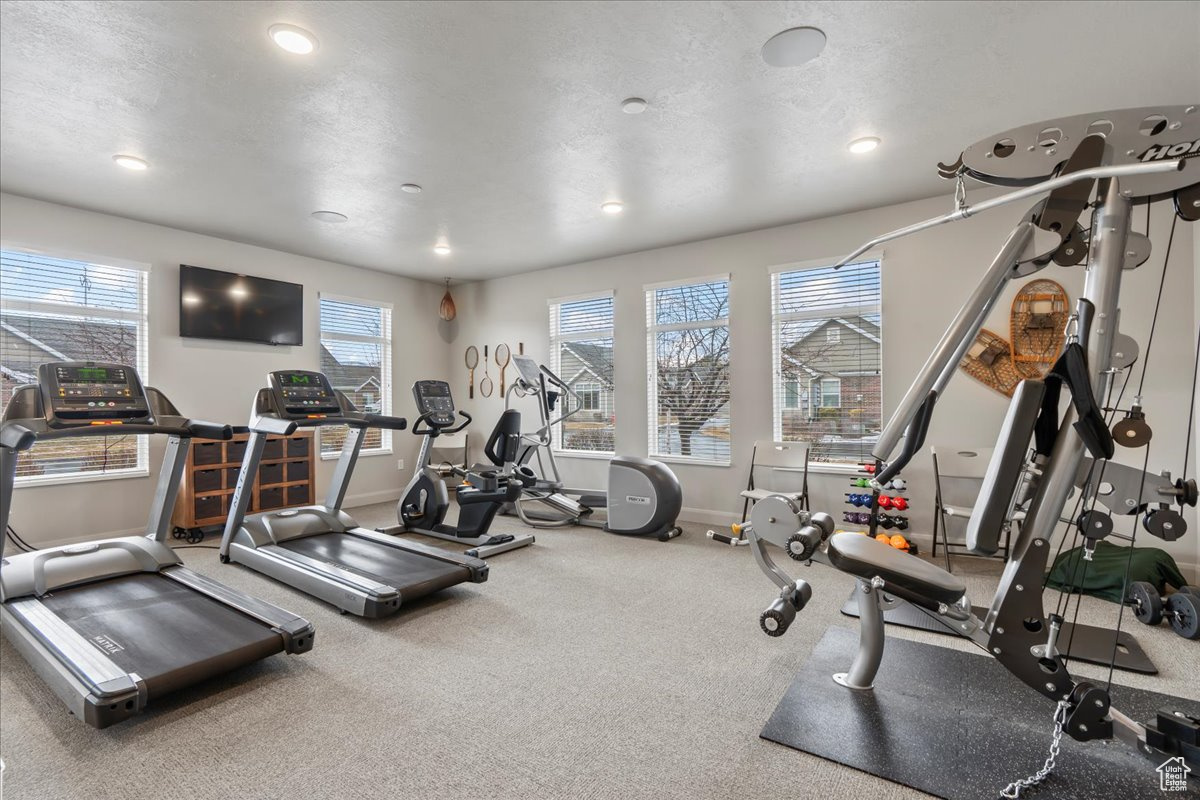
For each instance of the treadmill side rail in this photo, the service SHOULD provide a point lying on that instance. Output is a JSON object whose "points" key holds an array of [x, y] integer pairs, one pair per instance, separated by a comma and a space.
{"points": [[297, 632], [476, 566], [342, 588], [93, 688]]}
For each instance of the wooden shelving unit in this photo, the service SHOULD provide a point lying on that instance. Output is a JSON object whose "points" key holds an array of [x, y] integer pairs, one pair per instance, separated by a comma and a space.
{"points": [[285, 478]]}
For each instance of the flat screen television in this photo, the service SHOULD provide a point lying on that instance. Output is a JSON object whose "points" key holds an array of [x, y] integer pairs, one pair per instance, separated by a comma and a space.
{"points": [[226, 305]]}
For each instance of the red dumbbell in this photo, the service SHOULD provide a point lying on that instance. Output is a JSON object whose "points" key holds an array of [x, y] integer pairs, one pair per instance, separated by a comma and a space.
{"points": [[885, 502], [899, 503]]}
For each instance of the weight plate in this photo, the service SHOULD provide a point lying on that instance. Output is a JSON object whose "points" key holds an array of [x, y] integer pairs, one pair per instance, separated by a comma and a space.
{"points": [[1183, 612], [1147, 604]]}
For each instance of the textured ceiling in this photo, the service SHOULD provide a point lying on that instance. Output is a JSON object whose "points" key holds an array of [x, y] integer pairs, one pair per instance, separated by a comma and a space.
{"points": [[508, 114]]}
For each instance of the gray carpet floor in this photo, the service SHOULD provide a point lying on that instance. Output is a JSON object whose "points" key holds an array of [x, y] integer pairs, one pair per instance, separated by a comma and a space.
{"points": [[588, 666]]}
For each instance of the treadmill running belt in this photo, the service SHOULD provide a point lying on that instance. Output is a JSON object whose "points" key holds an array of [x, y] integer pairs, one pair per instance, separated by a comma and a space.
{"points": [[168, 634], [412, 574]]}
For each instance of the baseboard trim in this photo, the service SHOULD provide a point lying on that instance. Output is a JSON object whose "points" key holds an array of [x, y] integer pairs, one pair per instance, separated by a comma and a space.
{"points": [[369, 498]]}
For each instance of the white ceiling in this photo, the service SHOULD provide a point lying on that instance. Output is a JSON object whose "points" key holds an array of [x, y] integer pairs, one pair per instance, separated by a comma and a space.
{"points": [[508, 114]]}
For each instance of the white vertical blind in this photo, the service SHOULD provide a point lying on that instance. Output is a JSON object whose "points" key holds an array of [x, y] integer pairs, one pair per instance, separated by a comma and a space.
{"points": [[581, 353], [688, 376], [58, 309], [828, 367], [356, 356]]}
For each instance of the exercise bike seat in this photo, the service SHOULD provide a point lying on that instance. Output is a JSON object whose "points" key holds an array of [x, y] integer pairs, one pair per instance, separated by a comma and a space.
{"points": [[906, 576]]}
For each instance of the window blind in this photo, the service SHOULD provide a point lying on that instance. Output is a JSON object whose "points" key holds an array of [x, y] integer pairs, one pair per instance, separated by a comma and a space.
{"points": [[828, 338], [581, 353], [688, 376], [356, 356], [56, 309]]}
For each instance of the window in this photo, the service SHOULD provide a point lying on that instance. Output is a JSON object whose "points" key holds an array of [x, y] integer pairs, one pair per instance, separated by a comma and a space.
{"points": [[581, 353], [356, 356], [589, 396], [828, 336], [57, 309], [829, 392], [689, 370]]}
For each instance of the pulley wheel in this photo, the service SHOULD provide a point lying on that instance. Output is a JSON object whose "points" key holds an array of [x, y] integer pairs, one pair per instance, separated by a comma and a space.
{"points": [[1132, 431], [1095, 525], [1147, 603], [1165, 523]]}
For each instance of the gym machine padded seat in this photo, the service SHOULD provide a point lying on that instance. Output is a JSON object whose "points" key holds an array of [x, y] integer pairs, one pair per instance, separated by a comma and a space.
{"points": [[867, 558]]}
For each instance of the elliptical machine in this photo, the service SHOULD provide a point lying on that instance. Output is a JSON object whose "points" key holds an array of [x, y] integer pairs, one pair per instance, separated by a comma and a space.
{"points": [[643, 497], [423, 506]]}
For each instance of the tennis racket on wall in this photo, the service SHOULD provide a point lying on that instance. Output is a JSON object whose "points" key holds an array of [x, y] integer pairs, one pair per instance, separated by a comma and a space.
{"points": [[472, 360], [503, 356], [485, 385]]}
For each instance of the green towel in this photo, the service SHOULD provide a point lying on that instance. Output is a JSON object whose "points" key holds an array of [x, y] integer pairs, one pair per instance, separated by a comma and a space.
{"points": [[1104, 575]]}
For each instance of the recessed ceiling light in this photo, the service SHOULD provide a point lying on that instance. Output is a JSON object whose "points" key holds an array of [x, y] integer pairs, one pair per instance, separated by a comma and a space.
{"points": [[329, 216], [793, 47], [411, 188], [130, 162], [633, 105], [863, 145], [293, 39], [238, 291], [442, 249], [612, 207]]}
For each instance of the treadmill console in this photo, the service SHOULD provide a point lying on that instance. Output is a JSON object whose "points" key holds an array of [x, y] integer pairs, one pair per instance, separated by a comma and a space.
{"points": [[433, 398], [92, 393], [300, 394]]}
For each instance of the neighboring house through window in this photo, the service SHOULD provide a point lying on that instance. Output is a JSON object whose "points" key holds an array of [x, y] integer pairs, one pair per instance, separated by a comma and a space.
{"points": [[828, 339], [581, 353], [61, 309], [356, 356]]}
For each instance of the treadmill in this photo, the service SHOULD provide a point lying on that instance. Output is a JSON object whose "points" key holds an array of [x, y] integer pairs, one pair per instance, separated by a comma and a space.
{"points": [[113, 624], [320, 549]]}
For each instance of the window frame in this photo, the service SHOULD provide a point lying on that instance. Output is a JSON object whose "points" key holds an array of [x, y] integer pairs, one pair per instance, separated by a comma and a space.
{"points": [[385, 367], [557, 339], [652, 330], [141, 320], [777, 322]]}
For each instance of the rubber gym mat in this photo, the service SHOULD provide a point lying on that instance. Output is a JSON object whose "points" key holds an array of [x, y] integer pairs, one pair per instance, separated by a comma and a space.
{"points": [[1087, 643], [956, 725]]}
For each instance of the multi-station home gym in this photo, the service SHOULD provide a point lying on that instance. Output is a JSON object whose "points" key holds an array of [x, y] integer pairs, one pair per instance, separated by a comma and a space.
{"points": [[599, 400]]}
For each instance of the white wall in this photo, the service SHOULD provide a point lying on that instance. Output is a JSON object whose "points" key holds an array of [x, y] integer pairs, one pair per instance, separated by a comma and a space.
{"points": [[215, 380], [925, 278]]}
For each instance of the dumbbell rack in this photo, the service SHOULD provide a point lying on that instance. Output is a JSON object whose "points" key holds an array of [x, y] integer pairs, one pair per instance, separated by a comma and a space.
{"points": [[875, 503]]}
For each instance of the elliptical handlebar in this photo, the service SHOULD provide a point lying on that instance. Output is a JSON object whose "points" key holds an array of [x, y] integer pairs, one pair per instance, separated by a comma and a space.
{"points": [[435, 429]]}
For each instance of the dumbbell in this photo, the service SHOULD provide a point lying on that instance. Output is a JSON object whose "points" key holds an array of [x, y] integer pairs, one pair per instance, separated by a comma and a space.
{"points": [[886, 522], [899, 484], [901, 523], [899, 503], [861, 483], [859, 500]]}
